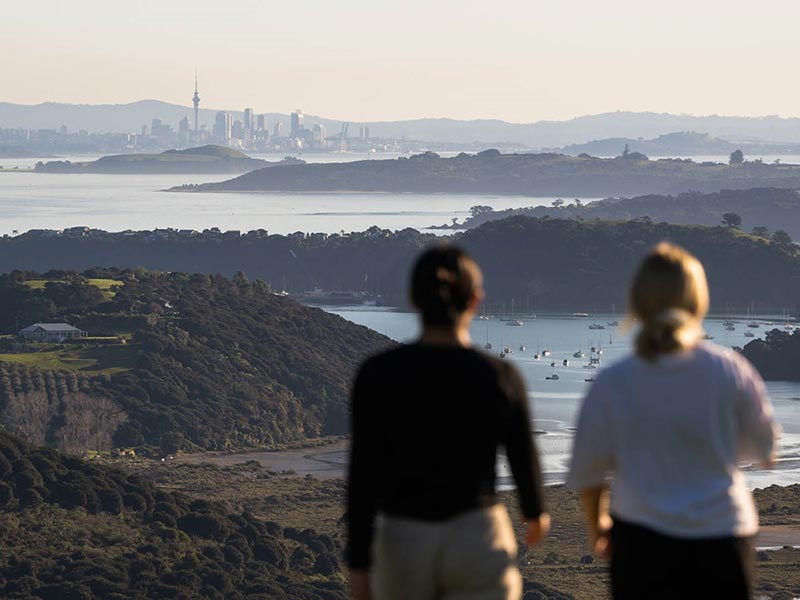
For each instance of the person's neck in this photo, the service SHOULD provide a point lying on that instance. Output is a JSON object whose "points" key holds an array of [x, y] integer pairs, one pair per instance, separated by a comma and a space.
{"points": [[445, 336]]}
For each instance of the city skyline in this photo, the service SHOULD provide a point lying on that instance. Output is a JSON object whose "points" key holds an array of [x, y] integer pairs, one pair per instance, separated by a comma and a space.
{"points": [[354, 61]]}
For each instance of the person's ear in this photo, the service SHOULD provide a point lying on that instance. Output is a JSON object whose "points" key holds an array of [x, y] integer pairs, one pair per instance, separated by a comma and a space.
{"points": [[475, 300]]}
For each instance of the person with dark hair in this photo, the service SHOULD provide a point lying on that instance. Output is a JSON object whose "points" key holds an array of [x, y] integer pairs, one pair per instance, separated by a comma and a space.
{"points": [[671, 423], [424, 522]]}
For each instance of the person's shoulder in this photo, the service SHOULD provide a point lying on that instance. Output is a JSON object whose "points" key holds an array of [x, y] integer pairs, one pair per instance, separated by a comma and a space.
{"points": [[619, 368], [387, 356], [727, 360]]}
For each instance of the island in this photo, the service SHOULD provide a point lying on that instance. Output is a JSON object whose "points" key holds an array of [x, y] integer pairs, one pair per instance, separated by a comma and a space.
{"points": [[490, 172], [763, 211], [203, 159]]}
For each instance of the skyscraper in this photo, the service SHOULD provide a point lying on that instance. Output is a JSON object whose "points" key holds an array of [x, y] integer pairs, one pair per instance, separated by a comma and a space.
{"points": [[248, 119], [278, 130], [184, 125], [261, 123], [319, 134], [222, 127], [196, 102], [297, 124]]}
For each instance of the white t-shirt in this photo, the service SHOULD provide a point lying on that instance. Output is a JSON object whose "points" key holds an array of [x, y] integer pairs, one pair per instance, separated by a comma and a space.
{"points": [[672, 432]]}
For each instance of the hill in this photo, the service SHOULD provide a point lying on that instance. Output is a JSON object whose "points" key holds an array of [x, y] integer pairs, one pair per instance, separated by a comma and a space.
{"points": [[125, 118], [490, 172], [78, 531], [174, 361], [773, 208], [204, 159], [542, 263], [683, 143]]}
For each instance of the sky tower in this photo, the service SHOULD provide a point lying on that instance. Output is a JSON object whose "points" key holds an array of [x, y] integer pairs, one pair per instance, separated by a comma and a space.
{"points": [[196, 102]]}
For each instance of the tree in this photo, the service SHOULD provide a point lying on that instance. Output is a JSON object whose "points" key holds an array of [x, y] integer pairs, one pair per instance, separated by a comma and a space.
{"points": [[781, 237], [558, 203], [474, 211], [761, 231], [736, 158], [731, 220]]}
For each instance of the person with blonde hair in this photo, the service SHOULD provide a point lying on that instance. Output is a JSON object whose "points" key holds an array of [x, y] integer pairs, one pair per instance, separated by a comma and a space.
{"points": [[424, 522], [669, 426]]}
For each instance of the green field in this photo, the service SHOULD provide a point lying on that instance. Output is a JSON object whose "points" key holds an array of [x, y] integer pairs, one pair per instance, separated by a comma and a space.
{"points": [[107, 360], [104, 285]]}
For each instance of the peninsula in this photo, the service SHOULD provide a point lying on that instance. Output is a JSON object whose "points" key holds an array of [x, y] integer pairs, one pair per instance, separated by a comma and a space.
{"points": [[203, 159], [490, 172], [761, 210], [546, 264]]}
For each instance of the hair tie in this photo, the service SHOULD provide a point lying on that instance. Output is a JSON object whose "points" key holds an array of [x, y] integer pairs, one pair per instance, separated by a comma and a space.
{"points": [[445, 276], [672, 317]]}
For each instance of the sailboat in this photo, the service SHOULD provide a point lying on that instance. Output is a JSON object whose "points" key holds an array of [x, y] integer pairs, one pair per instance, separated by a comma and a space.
{"points": [[613, 322]]}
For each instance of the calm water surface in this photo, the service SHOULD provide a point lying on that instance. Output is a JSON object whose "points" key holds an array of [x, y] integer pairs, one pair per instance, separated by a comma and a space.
{"points": [[119, 202], [555, 403]]}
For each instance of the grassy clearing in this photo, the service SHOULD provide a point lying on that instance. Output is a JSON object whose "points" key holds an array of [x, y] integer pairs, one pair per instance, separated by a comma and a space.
{"points": [[104, 285], [107, 360]]}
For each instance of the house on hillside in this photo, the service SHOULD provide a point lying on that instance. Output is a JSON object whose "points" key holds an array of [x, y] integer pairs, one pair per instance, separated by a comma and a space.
{"points": [[51, 332]]}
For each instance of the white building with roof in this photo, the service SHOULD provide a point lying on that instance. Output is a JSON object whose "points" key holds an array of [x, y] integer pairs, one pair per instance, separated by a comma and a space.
{"points": [[52, 332]]}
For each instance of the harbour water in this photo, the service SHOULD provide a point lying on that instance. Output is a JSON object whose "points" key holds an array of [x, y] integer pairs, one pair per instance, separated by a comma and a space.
{"points": [[119, 202], [555, 403]]}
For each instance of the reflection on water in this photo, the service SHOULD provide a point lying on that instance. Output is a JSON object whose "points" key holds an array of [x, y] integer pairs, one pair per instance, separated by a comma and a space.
{"points": [[555, 403]]}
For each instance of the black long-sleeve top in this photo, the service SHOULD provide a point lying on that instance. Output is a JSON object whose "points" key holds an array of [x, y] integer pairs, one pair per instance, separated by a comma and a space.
{"points": [[426, 425]]}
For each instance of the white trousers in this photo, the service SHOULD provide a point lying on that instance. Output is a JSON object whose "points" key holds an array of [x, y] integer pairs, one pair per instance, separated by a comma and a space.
{"points": [[469, 557]]}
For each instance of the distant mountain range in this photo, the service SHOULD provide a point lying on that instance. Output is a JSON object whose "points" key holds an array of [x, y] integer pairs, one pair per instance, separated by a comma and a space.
{"points": [[130, 118]]}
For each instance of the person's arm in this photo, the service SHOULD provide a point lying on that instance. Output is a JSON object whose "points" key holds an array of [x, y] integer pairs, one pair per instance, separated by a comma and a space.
{"points": [[592, 459], [758, 430], [523, 458], [595, 509], [361, 501]]}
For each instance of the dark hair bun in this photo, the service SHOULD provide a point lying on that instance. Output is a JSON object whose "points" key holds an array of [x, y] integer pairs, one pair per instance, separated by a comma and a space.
{"points": [[443, 280]]}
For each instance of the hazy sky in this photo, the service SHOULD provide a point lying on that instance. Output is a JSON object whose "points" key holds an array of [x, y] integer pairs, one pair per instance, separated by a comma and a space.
{"points": [[521, 60]]}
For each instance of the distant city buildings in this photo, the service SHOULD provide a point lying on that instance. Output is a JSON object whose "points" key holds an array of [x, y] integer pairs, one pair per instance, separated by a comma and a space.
{"points": [[245, 130]]}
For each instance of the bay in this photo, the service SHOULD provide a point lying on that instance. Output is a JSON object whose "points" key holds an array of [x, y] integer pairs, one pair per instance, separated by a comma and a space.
{"points": [[555, 404], [120, 202]]}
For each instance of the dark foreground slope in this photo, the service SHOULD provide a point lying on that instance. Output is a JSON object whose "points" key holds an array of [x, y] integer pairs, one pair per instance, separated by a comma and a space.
{"points": [[204, 159], [76, 531], [541, 264], [777, 356], [191, 361], [490, 172], [773, 208]]}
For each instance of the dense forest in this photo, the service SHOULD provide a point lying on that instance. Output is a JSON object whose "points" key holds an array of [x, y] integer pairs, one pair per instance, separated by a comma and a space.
{"points": [[766, 210], [538, 264], [204, 159], [777, 356], [490, 172], [78, 531], [174, 361]]}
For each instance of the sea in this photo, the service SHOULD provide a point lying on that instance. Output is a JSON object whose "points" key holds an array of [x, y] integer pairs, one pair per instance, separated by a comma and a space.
{"points": [[555, 403], [118, 202]]}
